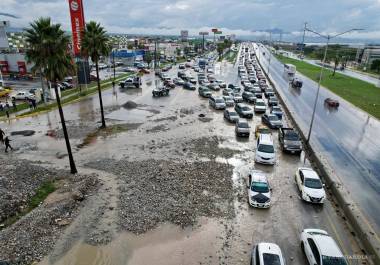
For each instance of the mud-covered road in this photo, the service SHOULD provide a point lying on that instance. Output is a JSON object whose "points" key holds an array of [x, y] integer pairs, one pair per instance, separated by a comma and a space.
{"points": [[172, 184]]}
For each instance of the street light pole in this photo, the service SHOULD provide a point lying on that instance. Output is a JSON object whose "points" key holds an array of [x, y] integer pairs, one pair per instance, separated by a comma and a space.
{"points": [[328, 38], [303, 39], [270, 40]]}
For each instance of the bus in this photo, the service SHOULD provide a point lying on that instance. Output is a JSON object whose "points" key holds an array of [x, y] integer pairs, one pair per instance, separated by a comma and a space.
{"points": [[290, 71], [202, 63]]}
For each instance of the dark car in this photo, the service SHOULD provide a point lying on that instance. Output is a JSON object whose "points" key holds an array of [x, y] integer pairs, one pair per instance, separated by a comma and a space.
{"points": [[273, 101], [272, 121], [290, 140], [332, 102], [276, 110], [244, 111], [296, 83], [249, 97], [189, 86], [269, 93], [204, 92], [231, 115]]}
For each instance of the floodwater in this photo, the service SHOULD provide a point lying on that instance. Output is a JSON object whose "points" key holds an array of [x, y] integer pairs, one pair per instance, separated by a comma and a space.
{"points": [[164, 122]]}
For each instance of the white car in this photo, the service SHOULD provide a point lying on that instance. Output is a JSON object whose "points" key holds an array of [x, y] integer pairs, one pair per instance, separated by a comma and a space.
{"points": [[320, 248], [22, 95], [260, 106], [259, 191], [265, 153], [229, 101], [217, 102], [310, 185], [267, 254]]}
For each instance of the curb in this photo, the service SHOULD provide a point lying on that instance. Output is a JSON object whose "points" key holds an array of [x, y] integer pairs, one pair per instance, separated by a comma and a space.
{"points": [[364, 231]]}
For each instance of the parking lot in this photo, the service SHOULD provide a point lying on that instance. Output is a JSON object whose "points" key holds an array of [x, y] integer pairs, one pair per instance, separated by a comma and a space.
{"points": [[180, 128]]}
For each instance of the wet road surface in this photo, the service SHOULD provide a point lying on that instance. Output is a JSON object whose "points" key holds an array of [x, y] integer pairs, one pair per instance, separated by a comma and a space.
{"points": [[211, 241], [347, 137]]}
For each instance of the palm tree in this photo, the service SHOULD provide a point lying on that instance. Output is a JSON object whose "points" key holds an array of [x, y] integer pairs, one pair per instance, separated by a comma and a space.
{"points": [[50, 50], [95, 43], [34, 37]]}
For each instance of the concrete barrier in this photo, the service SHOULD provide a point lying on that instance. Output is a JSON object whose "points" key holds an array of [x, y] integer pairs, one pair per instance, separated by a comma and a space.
{"points": [[364, 231]]}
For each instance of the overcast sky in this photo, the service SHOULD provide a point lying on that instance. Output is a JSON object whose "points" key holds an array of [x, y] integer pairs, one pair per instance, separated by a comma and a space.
{"points": [[243, 17]]}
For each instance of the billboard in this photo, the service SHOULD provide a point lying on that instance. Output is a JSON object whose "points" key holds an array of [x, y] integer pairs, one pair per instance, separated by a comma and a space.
{"points": [[77, 24], [214, 30]]}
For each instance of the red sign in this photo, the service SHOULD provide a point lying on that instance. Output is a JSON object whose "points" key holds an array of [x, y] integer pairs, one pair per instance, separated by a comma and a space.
{"points": [[214, 30], [4, 68], [21, 67], [77, 24]]}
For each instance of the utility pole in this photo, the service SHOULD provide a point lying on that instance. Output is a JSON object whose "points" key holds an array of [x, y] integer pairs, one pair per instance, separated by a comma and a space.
{"points": [[114, 68], [303, 39], [328, 38], [270, 41]]}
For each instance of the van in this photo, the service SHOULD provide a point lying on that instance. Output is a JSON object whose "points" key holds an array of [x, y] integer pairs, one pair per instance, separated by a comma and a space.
{"points": [[265, 153]]}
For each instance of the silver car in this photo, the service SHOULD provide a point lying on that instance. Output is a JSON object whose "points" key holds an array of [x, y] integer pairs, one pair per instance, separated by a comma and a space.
{"points": [[242, 128]]}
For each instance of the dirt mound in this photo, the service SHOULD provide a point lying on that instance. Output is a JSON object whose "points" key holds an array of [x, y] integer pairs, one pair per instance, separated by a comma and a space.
{"points": [[130, 105]]}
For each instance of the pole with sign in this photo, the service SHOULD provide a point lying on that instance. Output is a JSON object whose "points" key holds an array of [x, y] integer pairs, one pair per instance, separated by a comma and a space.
{"points": [[203, 34]]}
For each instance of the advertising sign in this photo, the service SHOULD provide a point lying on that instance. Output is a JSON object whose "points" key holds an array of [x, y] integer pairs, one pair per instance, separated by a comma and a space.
{"points": [[77, 24], [214, 30], [21, 67]]}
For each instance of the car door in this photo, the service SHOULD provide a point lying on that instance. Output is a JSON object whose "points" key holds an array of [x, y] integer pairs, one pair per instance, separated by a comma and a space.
{"points": [[313, 255]]}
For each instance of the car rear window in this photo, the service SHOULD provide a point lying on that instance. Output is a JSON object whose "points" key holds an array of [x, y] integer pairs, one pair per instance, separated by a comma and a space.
{"points": [[271, 259], [292, 136], [219, 100], [243, 125]]}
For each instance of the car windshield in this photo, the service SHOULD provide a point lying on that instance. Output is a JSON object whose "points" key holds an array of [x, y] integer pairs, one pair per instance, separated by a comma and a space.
{"points": [[219, 100], [276, 109], [236, 95], [243, 125], [232, 113], [227, 99], [258, 103], [327, 260], [271, 259], [266, 148], [292, 136], [261, 187], [245, 108], [273, 118], [313, 183]]}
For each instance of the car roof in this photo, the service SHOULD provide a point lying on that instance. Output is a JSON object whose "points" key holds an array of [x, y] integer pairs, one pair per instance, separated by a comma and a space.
{"points": [[327, 245], [242, 121], [258, 175], [259, 100], [266, 139], [309, 173], [269, 248]]}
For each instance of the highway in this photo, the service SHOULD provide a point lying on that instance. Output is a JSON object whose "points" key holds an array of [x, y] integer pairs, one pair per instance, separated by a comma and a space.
{"points": [[348, 137]]}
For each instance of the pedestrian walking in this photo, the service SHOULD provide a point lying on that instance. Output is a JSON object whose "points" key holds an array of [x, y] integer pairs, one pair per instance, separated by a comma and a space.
{"points": [[2, 134], [7, 144], [14, 104], [7, 105], [34, 103], [7, 113], [1, 107], [30, 104]]}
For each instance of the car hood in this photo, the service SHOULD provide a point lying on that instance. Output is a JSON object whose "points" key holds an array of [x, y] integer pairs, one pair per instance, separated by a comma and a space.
{"points": [[289, 142], [315, 193], [259, 197]]}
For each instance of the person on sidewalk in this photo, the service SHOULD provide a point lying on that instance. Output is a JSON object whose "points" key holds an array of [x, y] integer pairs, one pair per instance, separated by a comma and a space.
{"points": [[2, 134], [34, 103], [14, 104], [7, 144], [30, 104]]}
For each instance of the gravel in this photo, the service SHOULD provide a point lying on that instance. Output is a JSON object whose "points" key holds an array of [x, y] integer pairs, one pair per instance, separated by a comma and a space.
{"points": [[157, 191], [34, 235], [19, 180]]}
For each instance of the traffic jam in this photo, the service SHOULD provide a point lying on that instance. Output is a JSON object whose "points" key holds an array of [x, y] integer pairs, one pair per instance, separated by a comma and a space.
{"points": [[250, 107]]}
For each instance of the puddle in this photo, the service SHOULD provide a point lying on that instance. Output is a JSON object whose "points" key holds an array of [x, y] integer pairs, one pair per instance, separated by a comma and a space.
{"points": [[168, 244]]}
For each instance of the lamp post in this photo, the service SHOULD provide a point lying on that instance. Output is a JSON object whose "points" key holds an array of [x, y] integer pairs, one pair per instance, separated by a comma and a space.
{"points": [[328, 38], [269, 53]]}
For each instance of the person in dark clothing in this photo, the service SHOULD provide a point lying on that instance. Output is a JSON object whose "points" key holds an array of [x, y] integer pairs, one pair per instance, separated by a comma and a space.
{"points": [[2, 134], [34, 103], [1, 107], [7, 113], [7, 144], [14, 104], [30, 104]]}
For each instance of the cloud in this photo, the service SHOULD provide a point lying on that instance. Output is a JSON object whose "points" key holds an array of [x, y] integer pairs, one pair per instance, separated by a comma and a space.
{"points": [[242, 17]]}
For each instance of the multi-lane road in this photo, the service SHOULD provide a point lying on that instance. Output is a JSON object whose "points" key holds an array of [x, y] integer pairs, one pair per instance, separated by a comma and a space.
{"points": [[347, 137]]}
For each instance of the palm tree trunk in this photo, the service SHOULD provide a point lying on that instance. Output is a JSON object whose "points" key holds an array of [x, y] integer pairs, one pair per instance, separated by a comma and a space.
{"points": [[100, 95], [68, 146], [43, 87]]}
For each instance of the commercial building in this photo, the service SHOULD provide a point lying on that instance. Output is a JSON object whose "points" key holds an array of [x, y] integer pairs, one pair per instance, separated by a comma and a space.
{"points": [[366, 55]]}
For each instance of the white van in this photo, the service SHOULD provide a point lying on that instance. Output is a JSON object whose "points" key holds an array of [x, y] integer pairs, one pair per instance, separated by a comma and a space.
{"points": [[265, 153]]}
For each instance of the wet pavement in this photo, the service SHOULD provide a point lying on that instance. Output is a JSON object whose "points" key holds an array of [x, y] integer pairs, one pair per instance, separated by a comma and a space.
{"points": [[346, 137], [166, 128]]}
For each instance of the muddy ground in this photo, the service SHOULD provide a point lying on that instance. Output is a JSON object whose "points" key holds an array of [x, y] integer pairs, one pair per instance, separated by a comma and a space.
{"points": [[167, 187]]}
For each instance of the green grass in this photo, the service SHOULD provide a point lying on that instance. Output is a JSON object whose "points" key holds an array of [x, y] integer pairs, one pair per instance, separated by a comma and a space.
{"points": [[360, 93], [68, 96], [41, 194]]}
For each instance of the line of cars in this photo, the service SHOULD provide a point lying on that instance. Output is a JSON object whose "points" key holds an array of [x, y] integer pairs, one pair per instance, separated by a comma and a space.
{"points": [[318, 246]]}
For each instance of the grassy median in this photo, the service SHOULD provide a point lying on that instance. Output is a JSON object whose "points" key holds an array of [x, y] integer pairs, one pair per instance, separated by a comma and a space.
{"points": [[360, 93]]}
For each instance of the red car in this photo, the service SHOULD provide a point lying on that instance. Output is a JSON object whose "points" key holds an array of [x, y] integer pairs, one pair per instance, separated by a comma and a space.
{"points": [[332, 102]]}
